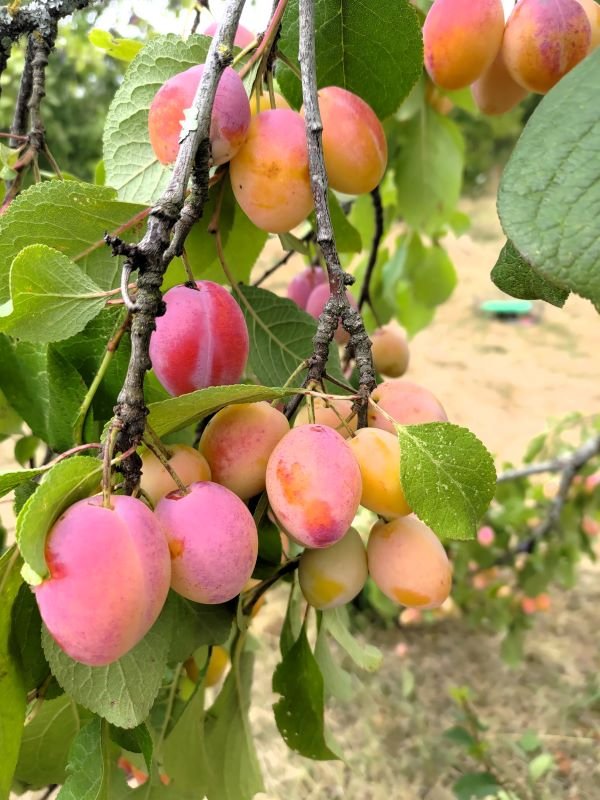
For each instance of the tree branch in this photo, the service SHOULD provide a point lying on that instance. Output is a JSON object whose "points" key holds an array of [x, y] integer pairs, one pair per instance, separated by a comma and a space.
{"points": [[365, 292], [152, 255], [337, 307], [282, 261]]}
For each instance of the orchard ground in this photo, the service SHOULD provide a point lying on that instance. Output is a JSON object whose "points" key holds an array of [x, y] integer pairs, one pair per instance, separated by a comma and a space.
{"points": [[500, 380]]}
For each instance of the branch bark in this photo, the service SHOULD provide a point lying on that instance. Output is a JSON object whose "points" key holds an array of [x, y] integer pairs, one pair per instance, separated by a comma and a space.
{"points": [[151, 257], [337, 307]]}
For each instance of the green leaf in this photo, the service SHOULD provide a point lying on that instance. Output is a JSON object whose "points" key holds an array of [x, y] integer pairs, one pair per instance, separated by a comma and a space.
{"points": [[27, 639], [122, 692], [529, 742], [434, 279], [135, 740], [370, 47], [347, 237], [12, 687], [70, 217], [461, 736], [25, 449], [46, 743], [187, 737], [130, 163], [44, 388], [179, 412], [10, 422], [336, 681], [227, 730], [51, 298], [68, 481], [299, 712], [513, 275], [242, 244], [121, 49], [448, 477], [540, 766], [550, 190], [429, 170], [365, 656], [474, 785], [196, 625], [281, 336], [10, 480], [88, 770]]}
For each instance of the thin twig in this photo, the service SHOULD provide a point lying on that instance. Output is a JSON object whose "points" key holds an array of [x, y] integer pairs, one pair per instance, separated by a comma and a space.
{"points": [[282, 261], [365, 292], [258, 591]]}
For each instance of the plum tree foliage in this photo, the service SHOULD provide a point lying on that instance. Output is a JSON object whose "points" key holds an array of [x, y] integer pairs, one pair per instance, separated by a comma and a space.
{"points": [[189, 440]]}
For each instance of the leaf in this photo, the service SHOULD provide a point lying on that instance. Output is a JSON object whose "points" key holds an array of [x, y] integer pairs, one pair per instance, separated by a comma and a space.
{"points": [[10, 422], [513, 275], [347, 237], [448, 477], [196, 625], [46, 743], [187, 737], [281, 336], [461, 736], [550, 190], [540, 766], [336, 681], [365, 656], [179, 412], [71, 217], [68, 481], [25, 449], [475, 784], [27, 639], [130, 163], [135, 740], [88, 770], [370, 47], [122, 692], [10, 480], [121, 49], [12, 688], [299, 712], [429, 170], [51, 298], [227, 731], [529, 742]]}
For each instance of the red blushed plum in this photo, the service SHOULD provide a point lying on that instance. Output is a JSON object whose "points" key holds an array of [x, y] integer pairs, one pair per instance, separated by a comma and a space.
{"points": [[301, 286], [109, 577], [409, 564], [461, 39], [496, 92], [333, 413], [406, 402], [592, 9], [269, 175], [314, 485], [201, 340], [243, 37], [544, 40], [237, 443], [333, 576], [263, 102], [316, 303], [229, 122], [213, 542], [354, 143], [187, 462]]}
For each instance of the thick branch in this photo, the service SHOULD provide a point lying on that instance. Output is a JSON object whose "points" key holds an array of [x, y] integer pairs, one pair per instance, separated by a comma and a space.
{"points": [[152, 255], [365, 293], [337, 307]]}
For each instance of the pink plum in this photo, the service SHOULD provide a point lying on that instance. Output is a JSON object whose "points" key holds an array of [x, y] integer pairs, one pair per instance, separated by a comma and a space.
{"points": [[316, 303], [302, 284], [408, 403], [243, 36]]}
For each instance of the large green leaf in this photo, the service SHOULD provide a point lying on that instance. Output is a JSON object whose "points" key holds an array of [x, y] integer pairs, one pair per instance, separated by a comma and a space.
{"points": [[179, 412], [517, 278], [122, 692], [71, 217], [234, 769], [27, 639], [51, 298], [370, 47], [550, 191], [44, 387], [68, 481], [336, 681], [365, 656], [12, 688], [46, 743], [10, 480], [429, 170], [131, 166], [299, 712], [89, 767], [448, 477], [187, 737]]}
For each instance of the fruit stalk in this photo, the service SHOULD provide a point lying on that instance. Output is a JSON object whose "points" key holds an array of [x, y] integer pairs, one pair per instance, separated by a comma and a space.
{"points": [[152, 255], [338, 307]]}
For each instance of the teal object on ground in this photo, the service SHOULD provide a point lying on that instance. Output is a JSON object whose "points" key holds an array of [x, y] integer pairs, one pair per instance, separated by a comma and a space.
{"points": [[520, 307]]}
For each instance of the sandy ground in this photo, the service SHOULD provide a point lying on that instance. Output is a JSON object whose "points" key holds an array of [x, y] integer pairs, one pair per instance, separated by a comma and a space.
{"points": [[504, 381]]}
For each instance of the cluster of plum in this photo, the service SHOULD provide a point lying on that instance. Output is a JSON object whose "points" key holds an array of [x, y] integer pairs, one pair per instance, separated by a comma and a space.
{"points": [[266, 147], [107, 587], [469, 43]]}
